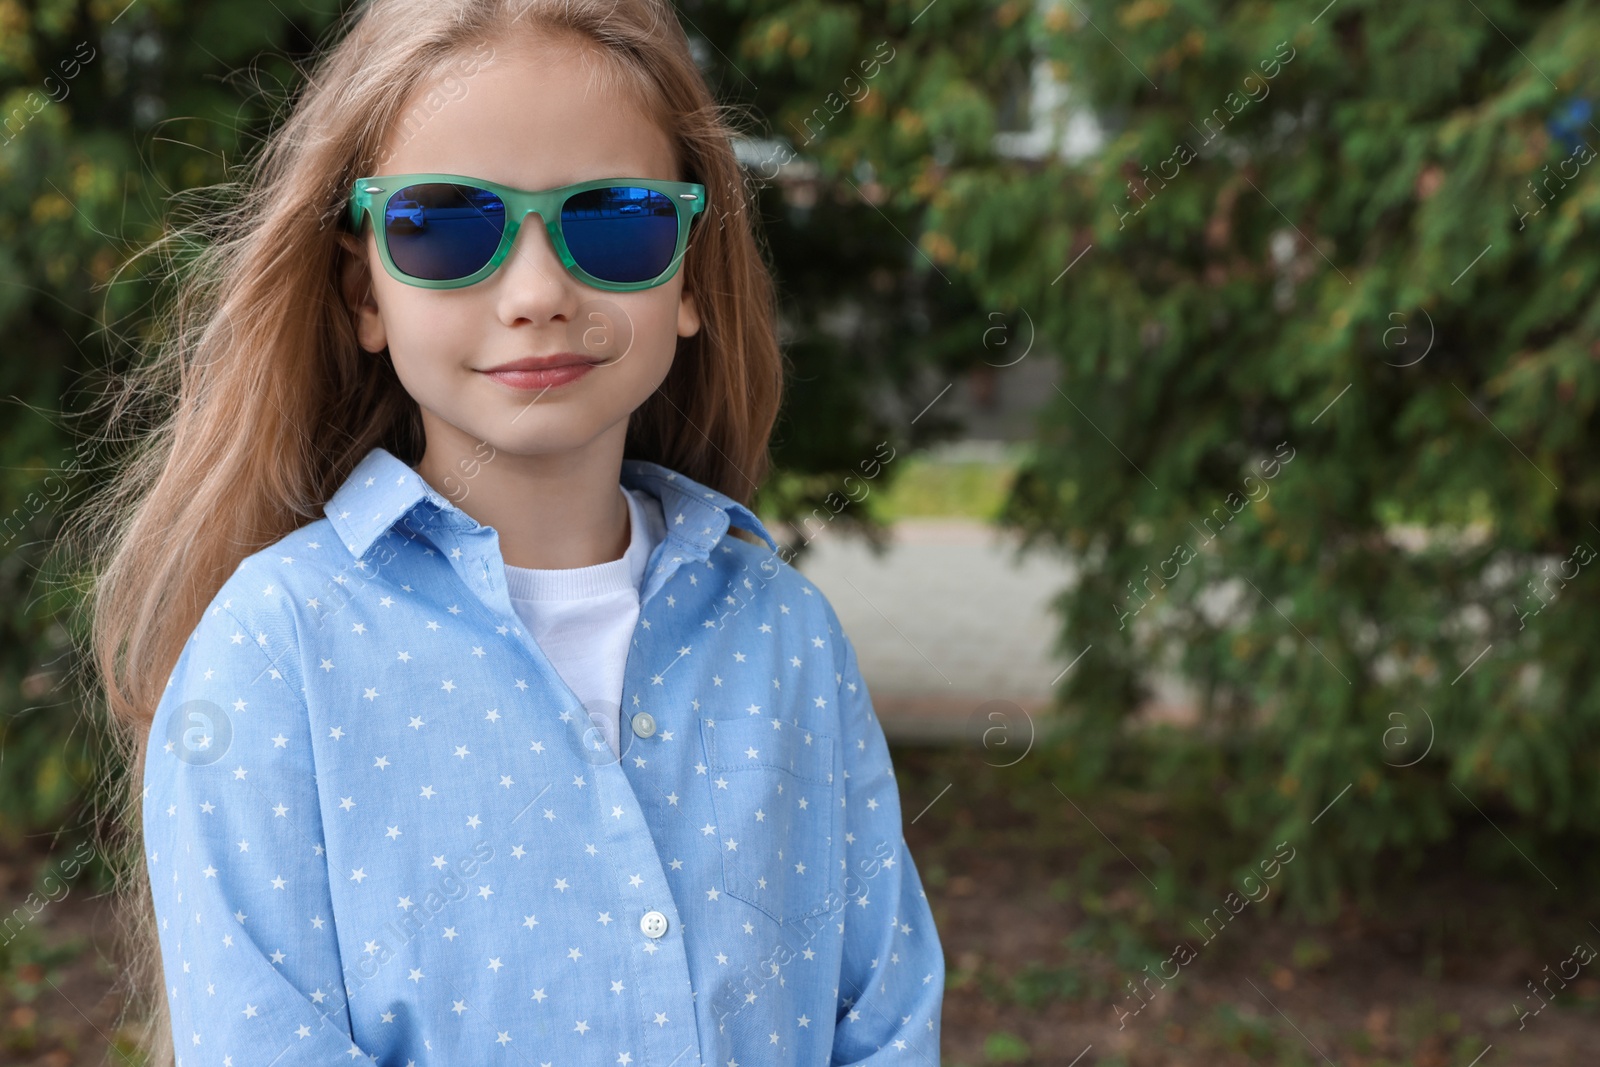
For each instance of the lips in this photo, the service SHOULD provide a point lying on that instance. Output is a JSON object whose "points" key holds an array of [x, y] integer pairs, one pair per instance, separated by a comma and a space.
{"points": [[560, 359], [541, 372]]}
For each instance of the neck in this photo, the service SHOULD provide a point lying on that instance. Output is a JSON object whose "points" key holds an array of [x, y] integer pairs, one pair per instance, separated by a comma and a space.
{"points": [[552, 511]]}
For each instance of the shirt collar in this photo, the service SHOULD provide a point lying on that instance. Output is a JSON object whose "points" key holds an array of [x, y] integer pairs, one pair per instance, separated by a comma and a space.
{"points": [[694, 513], [382, 490]]}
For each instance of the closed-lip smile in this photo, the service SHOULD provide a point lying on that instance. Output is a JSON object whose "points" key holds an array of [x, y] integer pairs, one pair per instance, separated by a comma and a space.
{"points": [[541, 372]]}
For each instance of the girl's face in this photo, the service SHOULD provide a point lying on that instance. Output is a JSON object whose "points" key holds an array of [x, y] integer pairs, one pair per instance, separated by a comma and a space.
{"points": [[532, 117]]}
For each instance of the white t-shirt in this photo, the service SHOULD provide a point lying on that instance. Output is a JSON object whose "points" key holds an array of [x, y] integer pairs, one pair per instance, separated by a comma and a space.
{"points": [[583, 617]]}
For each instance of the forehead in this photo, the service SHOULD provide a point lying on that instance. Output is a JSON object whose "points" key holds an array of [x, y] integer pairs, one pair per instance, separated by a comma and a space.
{"points": [[532, 114]]}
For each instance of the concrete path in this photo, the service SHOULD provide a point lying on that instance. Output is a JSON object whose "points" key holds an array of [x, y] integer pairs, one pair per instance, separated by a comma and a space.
{"points": [[951, 628]]}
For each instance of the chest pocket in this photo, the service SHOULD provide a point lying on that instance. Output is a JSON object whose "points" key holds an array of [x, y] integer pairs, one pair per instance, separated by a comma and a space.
{"points": [[773, 794]]}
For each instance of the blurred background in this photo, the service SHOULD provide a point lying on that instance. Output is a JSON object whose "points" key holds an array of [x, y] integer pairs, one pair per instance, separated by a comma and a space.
{"points": [[1192, 422]]}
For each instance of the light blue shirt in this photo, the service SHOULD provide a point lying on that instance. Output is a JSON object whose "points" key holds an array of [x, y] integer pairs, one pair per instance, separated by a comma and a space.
{"points": [[377, 823]]}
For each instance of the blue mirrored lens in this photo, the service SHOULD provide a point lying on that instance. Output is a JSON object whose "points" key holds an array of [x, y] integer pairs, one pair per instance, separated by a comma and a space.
{"points": [[441, 232], [621, 233]]}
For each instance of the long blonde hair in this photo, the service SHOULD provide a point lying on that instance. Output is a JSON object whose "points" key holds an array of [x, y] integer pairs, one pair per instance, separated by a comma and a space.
{"points": [[263, 400]]}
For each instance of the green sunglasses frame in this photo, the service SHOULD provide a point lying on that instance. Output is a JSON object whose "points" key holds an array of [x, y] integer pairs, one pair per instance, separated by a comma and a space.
{"points": [[369, 196]]}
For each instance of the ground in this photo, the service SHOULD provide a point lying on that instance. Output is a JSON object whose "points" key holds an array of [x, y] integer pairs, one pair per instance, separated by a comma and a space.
{"points": [[1043, 923]]}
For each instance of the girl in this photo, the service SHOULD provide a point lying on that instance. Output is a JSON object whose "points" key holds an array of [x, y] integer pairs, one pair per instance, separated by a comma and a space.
{"points": [[475, 719]]}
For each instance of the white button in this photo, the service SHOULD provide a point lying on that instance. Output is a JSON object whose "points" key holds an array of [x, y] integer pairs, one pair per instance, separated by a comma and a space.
{"points": [[644, 724], [653, 923]]}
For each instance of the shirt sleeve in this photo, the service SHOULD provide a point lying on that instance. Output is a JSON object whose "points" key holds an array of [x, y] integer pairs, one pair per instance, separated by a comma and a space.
{"points": [[235, 855], [891, 975]]}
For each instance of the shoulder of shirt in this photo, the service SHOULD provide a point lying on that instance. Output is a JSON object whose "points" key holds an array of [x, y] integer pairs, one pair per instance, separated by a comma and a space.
{"points": [[270, 587], [774, 580], [309, 551]]}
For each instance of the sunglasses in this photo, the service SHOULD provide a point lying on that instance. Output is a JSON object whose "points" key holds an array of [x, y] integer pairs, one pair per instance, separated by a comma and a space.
{"points": [[446, 231]]}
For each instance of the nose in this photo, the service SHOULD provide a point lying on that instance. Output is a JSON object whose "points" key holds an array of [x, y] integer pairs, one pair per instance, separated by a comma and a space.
{"points": [[532, 282]]}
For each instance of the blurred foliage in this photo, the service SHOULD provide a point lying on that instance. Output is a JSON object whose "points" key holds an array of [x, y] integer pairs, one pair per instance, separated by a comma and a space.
{"points": [[106, 110], [1326, 428], [1330, 359]]}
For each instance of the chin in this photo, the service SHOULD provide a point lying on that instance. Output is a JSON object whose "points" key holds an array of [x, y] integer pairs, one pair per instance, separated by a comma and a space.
{"points": [[537, 433]]}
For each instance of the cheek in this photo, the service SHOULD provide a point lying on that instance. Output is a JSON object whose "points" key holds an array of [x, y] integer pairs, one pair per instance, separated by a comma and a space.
{"points": [[425, 334], [641, 328]]}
